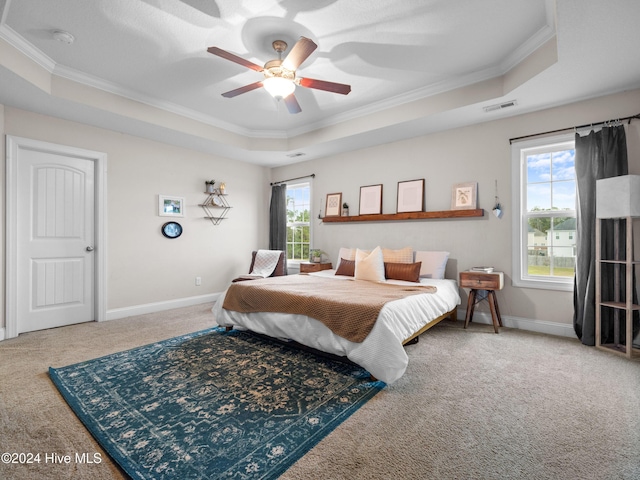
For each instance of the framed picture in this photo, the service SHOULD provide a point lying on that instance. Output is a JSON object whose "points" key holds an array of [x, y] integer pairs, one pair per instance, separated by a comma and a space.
{"points": [[334, 204], [170, 206], [410, 196], [464, 196], [371, 199]]}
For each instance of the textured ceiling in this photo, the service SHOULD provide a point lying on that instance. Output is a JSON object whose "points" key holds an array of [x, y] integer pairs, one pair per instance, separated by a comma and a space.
{"points": [[395, 54]]}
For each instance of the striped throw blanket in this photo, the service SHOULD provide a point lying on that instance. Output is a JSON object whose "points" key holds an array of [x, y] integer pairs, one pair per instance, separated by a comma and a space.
{"points": [[348, 308]]}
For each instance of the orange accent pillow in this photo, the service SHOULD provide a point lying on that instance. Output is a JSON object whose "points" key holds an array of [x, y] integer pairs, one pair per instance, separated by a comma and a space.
{"points": [[409, 272], [346, 268]]}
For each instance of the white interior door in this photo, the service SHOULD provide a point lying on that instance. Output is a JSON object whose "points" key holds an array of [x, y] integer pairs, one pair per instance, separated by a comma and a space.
{"points": [[54, 270]]}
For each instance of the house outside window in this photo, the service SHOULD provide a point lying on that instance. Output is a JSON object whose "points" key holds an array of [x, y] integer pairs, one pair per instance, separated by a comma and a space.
{"points": [[544, 196], [298, 221]]}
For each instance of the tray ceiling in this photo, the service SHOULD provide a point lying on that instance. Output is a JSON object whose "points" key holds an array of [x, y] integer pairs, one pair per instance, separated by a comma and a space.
{"points": [[414, 66]]}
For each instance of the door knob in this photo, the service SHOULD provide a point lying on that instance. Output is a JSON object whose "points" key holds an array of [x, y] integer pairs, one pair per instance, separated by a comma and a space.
{"points": [[89, 249]]}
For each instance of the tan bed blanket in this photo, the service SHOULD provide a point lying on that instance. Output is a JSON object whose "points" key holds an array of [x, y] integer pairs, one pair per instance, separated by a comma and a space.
{"points": [[348, 308]]}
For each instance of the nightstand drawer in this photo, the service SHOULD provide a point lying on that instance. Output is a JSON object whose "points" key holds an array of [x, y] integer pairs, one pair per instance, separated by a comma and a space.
{"points": [[482, 281], [308, 267]]}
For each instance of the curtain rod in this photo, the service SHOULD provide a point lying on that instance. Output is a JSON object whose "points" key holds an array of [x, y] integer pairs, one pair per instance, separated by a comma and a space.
{"points": [[511, 140], [313, 175]]}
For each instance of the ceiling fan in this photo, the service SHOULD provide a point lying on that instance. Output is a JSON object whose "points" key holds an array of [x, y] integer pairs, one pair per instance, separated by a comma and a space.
{"points": [[280, 75]]}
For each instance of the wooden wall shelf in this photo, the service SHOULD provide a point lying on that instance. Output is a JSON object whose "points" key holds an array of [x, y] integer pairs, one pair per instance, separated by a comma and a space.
{"points": [[384, 217]]}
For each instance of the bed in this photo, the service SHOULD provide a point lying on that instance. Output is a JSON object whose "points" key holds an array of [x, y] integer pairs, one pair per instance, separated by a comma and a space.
{"points": [[382, 352]]}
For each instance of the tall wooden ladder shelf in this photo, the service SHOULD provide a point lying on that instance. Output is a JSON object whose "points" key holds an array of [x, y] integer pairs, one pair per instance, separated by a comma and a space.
{"points": [[616, 201]]}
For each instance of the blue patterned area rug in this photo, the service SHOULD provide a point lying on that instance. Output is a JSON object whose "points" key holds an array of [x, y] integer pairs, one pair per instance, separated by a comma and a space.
{"points": [[212, 404]]}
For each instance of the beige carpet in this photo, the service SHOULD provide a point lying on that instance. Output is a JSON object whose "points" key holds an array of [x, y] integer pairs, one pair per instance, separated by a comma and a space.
{"points": [[472, 405]]}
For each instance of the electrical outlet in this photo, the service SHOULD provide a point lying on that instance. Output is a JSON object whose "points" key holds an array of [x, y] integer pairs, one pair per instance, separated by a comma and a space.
{"points": [[198, 281]]}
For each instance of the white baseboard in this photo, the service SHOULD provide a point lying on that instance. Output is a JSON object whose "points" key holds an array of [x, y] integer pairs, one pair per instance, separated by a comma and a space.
{"points": [[540, 326], [118, 313]]}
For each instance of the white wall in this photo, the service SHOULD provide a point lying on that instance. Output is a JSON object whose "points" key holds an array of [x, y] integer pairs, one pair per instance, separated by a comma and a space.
{"points": [[479, 153], [144, 267]]}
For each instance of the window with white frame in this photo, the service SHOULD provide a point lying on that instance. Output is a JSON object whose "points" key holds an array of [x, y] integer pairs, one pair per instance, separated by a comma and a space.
{"points": [[544, 197], [298, 221]]}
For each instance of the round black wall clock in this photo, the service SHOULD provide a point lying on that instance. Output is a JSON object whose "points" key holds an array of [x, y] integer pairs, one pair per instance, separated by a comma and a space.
{"points": [[172, 229]]}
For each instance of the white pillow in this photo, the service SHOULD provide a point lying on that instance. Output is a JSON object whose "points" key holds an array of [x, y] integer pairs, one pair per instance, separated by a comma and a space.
{"points": [[347, 254], [370, 266], [433, 264], [403, 255]]}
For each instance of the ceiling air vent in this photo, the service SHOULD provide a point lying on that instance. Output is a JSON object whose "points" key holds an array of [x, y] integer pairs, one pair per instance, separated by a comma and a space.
{"points": [[500, 106], [294, 155]]}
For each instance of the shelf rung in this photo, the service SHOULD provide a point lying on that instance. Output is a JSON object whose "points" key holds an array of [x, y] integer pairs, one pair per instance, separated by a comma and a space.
{"points": [[619, 348], [620, 262], [620, 305]]}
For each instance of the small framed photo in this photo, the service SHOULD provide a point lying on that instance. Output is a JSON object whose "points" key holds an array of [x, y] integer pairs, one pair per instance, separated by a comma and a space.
{"points": [[464, 196], [371, 199], [410, 196], [170, 206], [334, 204]]}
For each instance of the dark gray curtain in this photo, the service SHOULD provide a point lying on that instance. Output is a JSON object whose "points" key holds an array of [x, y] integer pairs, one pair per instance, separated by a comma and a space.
{"points": [[278, 219], [601, 154]]}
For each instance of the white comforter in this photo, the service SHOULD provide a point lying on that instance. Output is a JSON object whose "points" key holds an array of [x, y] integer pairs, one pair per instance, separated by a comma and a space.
{"points": [[381, 353]]}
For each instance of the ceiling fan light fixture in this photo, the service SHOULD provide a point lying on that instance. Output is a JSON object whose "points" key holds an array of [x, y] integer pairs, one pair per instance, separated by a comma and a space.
{"points": [[280, 75], [279, 87]]}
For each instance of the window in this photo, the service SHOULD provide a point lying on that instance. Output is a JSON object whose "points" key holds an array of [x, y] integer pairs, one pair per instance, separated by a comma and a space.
{"points": [[298, 221], [544, 197]]}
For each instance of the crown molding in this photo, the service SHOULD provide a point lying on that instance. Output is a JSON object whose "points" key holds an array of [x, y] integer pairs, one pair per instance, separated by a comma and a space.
{"points": [[445, 85], [113, 88], [44, 61], [532, 44], [515, 58], [9, 35], [442, 86]]}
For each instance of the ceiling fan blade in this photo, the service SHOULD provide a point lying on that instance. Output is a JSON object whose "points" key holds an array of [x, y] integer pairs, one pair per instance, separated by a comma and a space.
{"points": [[299, 53], [323, 85], [241, 90], [292, 104], [234, 58]]}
